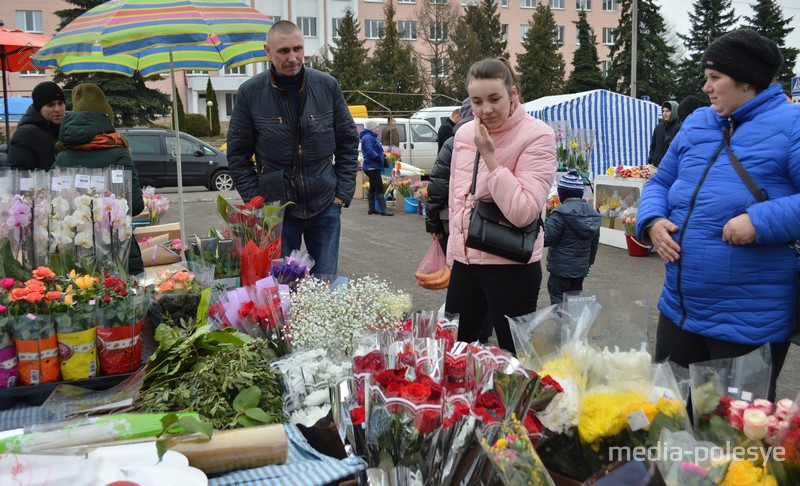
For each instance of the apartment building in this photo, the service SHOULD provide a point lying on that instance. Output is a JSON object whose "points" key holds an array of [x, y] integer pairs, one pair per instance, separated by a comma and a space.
{"points": [[319, 20]]}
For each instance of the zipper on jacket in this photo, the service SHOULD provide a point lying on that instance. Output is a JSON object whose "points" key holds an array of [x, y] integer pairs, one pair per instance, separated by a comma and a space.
{"points": [[683, 232]]}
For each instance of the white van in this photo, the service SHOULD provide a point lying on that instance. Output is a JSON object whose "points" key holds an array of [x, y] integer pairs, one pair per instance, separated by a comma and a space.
{"points": [[418, 141], [435, 115]]}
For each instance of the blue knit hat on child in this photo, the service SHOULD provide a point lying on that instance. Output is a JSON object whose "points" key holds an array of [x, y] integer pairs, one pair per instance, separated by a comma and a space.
{"points": [[570, 185]]}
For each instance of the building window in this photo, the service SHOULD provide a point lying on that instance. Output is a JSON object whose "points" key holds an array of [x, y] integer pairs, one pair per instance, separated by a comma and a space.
{"points": [[438, 30], [434, 2], [276, 18], [558, 35], [606, 67], [309, 61], [504, 3], [196, 72], [557, 4], [335, 24], [439, 67], [608, 36], [308, 25], [468, 2], [504, 32], [31, 72], [527, 3], [523, 29], [583, 4], [373, 29], [237, 71], [610, 5], [407, 29], [29, 20], [406, 1]]}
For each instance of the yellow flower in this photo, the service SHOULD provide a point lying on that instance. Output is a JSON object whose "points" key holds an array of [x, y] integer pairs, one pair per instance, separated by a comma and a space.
{"points": [[84, 281], [573, 145], [744, 473], [500, 444], [68, 295], [603, 415]]}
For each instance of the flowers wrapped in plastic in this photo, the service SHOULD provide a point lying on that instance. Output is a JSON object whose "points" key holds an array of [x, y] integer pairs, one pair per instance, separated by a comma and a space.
{"points": [[8, 353], [75, 317], [289, 270], [510, 450], [156, 205], [122, 308], [177, 290], [786, 467]]}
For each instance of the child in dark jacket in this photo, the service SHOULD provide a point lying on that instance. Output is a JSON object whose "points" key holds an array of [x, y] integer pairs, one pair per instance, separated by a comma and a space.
{"points": [[572, 234]]}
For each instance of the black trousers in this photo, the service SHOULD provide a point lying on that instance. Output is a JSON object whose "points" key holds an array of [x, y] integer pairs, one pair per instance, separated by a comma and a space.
{"points": [[684, 348], [496, 290], [375, 182], [556, 286]]}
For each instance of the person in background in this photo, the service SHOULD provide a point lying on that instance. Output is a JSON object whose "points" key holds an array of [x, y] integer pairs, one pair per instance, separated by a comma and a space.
{"points": [[88, 139], [731, 268], [374, 160], [517, 167], [390, 138], [573, 234], [296, 122], [447, 129], [687, 107], [33, 145], [664, 132]]}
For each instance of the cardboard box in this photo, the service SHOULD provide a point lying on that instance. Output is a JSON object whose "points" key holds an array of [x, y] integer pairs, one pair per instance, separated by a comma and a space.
{"points": [[172, 230], [360, 180]]}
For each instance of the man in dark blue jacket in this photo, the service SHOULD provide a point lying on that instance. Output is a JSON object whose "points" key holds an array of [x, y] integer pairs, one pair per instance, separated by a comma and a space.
{"points": [[296, 122]]}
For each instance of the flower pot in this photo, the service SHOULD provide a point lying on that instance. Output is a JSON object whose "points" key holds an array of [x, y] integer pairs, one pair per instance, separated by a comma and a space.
{"points": [[410, 204], [635, 247]]}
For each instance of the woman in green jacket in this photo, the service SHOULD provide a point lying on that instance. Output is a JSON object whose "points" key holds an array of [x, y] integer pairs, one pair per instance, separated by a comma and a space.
{"points": [[88, 139]]}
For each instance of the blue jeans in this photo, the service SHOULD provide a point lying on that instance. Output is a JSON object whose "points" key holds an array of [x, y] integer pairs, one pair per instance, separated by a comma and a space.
{"points": [[321, 236]]}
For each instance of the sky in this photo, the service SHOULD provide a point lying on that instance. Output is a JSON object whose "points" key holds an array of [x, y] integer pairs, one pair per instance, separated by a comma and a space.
{"points": [[676, 13]]}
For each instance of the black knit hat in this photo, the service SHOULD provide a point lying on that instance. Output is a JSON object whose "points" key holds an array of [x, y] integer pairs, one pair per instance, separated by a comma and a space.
{"points": [[687, 107], [745, 55], [46, 92]]}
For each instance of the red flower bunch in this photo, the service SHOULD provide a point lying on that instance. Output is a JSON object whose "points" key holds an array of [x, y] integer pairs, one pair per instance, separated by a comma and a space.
{"points": [[112, 288], [371, 363]]}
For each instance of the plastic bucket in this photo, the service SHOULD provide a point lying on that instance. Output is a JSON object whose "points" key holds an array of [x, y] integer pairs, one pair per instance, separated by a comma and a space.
{"points": [[410, 204], [635, 247]]}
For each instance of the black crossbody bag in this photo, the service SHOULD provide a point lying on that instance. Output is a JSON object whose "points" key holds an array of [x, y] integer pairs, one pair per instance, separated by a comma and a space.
{"points": [[761, 196], [490, 231]]}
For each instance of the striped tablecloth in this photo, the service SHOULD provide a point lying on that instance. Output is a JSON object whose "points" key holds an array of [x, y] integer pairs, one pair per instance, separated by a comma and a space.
{"points": [[304, 465]]}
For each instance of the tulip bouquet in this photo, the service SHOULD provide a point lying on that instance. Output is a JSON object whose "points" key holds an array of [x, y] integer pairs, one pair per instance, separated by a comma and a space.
{"points": [[629, 220], [552, 202], [256, 232], [421, 191], [122, 308], [156, 205], [403, 187]]}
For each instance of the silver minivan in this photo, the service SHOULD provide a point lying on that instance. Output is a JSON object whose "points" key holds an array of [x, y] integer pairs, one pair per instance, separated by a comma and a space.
{"points": [[418, 140], [435, 115]]}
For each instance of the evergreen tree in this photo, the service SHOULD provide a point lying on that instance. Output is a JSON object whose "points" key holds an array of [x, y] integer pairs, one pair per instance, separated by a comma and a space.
{"points": [[133, 102], [181, 113], [214, 111], [655, 67], [541, 66], [465, 50], [393, 71], [484, 20], [323, 62], [433, 21], [585, 73], [709, 20], [349, 58], [769, 22]]}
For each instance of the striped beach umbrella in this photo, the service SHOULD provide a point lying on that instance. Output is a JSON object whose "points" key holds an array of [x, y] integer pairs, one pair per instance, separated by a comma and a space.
{"points": [[157, 36]]}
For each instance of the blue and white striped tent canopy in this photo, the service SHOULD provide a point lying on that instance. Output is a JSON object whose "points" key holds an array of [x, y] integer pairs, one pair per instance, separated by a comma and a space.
{"points": [[622, 126]]}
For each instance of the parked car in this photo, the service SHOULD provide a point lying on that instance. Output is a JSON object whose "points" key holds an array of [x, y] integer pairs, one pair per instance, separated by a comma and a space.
{"points": [[418, 146], [435, 115], [153, 153]]}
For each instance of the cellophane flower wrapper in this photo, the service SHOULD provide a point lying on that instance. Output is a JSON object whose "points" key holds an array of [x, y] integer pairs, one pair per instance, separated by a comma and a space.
{"points": [[289, 270], [37, 349], [403, 424], [62, 225], [242, 312], [156, 205], [119, 333], [716, 383], [9, 371], [349, 416], [178, 289], [683, 460], [76, 329], [511, 453], [117, 214], [216, 310], [786, 467], [40, 209], [20, 221]]}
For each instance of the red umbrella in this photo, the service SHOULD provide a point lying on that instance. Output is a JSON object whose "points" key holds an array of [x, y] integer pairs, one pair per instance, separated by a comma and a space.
{"points": [[16, 54]]}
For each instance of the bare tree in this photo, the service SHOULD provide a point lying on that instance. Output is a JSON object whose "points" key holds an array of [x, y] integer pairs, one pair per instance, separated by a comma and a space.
{"points": [[434, 20]]}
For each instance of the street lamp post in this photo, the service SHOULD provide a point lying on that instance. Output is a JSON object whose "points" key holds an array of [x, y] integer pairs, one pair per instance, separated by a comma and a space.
{"points": [[210, 103]]}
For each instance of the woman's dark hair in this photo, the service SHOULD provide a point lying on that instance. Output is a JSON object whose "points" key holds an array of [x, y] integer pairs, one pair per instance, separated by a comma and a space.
{"points": [[498, 68]]}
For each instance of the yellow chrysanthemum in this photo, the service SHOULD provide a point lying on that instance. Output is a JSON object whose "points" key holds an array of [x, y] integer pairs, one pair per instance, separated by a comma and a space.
{"points": [[745, 473], [603, 415]]}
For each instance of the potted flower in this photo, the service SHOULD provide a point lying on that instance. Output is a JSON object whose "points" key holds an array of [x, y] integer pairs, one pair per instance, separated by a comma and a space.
{"points": [[8, 353], [122, 307], [75, 318], [178, 295]]}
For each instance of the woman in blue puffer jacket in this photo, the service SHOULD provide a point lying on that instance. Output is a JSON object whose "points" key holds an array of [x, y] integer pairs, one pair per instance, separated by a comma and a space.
{"points": [[374, 161], [731, 270]]}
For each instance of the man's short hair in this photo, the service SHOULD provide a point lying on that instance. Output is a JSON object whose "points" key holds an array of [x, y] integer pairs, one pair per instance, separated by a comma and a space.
{"points": [[455, 112], [389, 119], [282, 27]]}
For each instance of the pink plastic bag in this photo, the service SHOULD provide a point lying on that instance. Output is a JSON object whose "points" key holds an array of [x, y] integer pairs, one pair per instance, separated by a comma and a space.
{"points": [[429, 272]]}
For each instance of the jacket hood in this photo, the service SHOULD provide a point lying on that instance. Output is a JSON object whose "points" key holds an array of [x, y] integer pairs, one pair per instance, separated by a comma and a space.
{"points": [[673, 108], [367, 133], [583, 220], [80, 127]]}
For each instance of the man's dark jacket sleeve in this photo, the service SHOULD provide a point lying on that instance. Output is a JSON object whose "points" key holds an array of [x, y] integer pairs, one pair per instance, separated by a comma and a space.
{"points": [[439, 188], [346, 154]]}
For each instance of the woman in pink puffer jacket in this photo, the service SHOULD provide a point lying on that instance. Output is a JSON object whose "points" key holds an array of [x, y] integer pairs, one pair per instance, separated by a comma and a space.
{"points": [[516, 170]]}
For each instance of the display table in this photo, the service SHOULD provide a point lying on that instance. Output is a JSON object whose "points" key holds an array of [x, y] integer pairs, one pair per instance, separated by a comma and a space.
{"points": [[618, 193]]}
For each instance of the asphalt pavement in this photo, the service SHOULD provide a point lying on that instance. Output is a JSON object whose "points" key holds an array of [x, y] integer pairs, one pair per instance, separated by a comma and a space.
{"points": [[391, 247]]}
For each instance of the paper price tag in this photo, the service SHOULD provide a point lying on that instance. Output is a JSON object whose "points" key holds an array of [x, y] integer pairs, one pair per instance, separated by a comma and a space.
{"points": [[733, 391], [99, 182], [747, 396], [83, 181], [25, 184], [61, 183], [117, 176], [661, 392], [637, 420]]}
